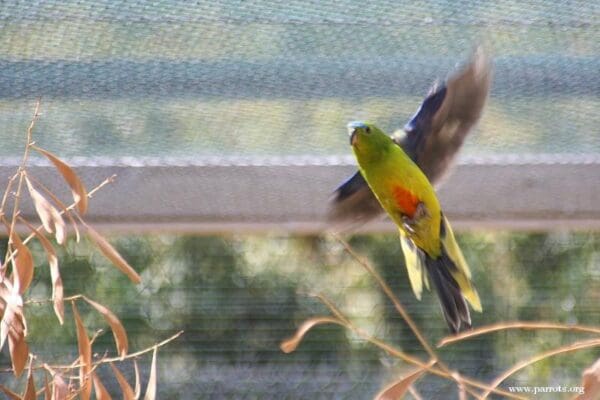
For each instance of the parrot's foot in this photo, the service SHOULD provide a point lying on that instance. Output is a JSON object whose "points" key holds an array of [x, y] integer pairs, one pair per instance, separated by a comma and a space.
{"points": [[410, 223]]}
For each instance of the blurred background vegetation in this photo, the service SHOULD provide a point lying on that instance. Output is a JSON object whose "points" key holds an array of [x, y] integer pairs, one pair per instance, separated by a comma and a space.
{"points": [[238, 296]]}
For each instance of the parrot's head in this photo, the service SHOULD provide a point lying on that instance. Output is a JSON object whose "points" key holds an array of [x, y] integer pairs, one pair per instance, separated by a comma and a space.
{"points": [[367, 140]]}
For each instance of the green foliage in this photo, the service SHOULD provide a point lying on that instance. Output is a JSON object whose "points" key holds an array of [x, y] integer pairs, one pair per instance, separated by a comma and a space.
{"points": [[238, 297]]}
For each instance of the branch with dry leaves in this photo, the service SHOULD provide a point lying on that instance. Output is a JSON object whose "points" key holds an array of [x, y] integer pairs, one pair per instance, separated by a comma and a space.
{"points": [[467, 387], [55, 386], [17, 274]]}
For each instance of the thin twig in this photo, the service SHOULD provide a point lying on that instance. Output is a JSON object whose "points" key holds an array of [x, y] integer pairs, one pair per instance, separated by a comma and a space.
{"points": [[132, 355], [401, 310], [432, 369], [414, 393], [441, 371], [11, 180], [390, 294], [109, 360], [332, 307], [515, 325], [21, 174], [584, 344], [396, 352], [43, 301]]}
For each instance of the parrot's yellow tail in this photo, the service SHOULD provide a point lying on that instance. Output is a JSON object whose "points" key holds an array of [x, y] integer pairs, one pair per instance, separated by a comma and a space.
{"points": [[449, 273]]}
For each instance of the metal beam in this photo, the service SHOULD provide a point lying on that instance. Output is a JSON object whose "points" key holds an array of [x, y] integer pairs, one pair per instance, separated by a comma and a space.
{"points": [[291, 194]]}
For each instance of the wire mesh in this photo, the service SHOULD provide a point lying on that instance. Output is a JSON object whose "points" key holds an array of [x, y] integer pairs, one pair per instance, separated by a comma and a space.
{"points": [[178, 83], [224, 78]]}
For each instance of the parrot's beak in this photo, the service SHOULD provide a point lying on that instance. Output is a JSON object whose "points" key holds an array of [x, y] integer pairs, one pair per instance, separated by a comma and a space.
{"points": [[353, 135], [353, 128]]}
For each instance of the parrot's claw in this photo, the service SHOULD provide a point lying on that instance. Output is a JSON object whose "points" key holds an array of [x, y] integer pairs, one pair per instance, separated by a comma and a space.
{"points": [[410, 223]]}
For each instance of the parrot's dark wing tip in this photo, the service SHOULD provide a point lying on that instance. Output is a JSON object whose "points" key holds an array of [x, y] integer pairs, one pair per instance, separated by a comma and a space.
{"points": [[421, 120], [353, 201], [435, 134], [349, 187]]}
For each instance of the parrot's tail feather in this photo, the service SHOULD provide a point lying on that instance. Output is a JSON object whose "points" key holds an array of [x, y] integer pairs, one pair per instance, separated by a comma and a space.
{"points": [[454, 305], [449, 273]]}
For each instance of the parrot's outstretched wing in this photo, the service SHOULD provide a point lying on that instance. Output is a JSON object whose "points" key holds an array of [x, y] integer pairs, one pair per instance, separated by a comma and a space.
{"points": [[437, 131], [431, 138]]}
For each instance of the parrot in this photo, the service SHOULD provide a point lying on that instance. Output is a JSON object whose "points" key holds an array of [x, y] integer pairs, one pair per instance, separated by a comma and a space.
{"points": [[430, 249], [431, 138]]}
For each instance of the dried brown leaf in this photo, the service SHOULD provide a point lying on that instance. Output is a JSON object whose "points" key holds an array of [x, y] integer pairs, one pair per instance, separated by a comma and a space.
{"points": [[117, 328], [6, 303], [29, 393], [22, 264], [47, 388], [77, 187], [65, 211], [151, 388], [113, 255], [138, 385], [3, 293], [100, 389], [50, 217], [19, 351], [9, 393], [591, 383], [85, 356], [62, 207], [289, 345], [126, 389], [399, 388], [60, 388], [57, 285], [13, 327]]}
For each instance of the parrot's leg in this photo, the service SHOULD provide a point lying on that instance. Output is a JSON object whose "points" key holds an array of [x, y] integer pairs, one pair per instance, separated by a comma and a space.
{"points": [[411, 222]]}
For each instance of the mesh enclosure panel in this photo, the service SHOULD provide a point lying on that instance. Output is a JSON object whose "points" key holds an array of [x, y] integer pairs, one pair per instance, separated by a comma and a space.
{"points": [[182, 79], [238, 297]]}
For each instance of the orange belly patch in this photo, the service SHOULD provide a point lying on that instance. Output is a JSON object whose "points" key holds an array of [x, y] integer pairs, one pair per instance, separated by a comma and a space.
{"points": [[405, 200]]}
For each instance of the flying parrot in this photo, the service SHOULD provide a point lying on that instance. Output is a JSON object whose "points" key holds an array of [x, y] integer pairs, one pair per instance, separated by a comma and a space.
{"points": [[430, 250], [431, 138]]}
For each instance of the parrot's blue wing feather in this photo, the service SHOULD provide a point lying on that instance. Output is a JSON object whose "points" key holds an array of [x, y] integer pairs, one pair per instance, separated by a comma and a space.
{"points": [[353, 184], [354, 201], [420, 123]]}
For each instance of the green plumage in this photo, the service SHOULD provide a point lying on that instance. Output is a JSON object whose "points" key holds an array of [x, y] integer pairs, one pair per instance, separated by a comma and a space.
{"points": [[427, 239]]}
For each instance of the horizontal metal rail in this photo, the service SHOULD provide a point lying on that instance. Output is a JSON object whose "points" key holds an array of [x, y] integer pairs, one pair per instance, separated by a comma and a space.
{"points": [[290, 194]]}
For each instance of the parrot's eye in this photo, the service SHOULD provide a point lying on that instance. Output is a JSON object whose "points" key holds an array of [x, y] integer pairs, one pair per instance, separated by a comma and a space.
{"points": [[368, 129]]}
